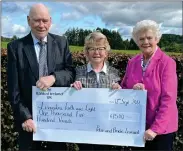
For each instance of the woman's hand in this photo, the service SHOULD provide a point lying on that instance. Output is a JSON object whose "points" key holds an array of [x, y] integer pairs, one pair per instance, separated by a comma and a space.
{"points": [[149, 135], [115, 86], [77, 85], [139, 86]]}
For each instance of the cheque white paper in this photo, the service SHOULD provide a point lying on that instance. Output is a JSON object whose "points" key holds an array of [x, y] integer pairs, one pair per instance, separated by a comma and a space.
{"points": [[90, 115]]}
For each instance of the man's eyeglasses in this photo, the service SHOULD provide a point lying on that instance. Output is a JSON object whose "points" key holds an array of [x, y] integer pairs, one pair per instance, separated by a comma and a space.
{"points": [[97, 48]]}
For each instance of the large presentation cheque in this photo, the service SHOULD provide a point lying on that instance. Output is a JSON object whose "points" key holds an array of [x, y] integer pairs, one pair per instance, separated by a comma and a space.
{"points": [[90, 115]]}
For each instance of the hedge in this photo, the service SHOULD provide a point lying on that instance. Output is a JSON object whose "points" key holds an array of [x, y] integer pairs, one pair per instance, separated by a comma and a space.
{"points": [[119, 61]]}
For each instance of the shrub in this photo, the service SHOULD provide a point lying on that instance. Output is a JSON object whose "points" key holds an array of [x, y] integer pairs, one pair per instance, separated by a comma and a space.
{"points": [[118, 61]]}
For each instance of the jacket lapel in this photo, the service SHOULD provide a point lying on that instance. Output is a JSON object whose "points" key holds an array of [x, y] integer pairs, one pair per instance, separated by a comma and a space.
{"points": [[154, 61], [51, 49], [137, 76], [31, 56]]}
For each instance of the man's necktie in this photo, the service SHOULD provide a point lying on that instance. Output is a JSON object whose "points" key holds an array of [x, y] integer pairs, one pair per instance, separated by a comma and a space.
{"points": [[43, 68]]}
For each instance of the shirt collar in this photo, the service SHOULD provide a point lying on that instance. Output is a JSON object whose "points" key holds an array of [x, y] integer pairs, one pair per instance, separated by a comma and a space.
{"points": [[35, 40], [89, 68], [155, 51]]}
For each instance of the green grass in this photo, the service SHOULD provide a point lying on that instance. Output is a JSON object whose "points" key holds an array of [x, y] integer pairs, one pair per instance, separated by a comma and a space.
{"points": [[174, 53], [76, 48], [131, 52], [4, 44], [80, 49]]}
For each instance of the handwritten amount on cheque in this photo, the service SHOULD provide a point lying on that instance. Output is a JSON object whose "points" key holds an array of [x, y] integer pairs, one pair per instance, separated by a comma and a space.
{"points": [[64, 112]]}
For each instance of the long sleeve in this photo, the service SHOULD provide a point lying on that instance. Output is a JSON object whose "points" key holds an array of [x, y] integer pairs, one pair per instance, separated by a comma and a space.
{"points": [[65, 76], [21, 112], [168, 98], [124, 81]]}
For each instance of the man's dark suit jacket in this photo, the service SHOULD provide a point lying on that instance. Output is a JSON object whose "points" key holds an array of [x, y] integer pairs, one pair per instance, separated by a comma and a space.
{"points": [[23, 71]]}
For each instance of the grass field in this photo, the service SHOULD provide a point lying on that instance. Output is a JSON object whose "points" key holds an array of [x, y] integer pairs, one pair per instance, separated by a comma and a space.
{"points": [[80, 49], [4, 44], [133, 52]]}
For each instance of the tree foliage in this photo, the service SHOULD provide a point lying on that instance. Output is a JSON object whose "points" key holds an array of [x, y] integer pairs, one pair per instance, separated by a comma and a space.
{"points": [[76, 37], [168, 42]]}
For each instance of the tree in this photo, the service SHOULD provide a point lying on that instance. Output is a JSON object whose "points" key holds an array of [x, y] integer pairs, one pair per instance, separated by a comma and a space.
{"points": [[133, 45], [116, 41], [14, 37], [81, 37], [126, 44], [174, 47]]}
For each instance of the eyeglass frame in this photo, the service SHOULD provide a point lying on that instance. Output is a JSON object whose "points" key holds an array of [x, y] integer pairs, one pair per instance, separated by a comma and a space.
{"points": [[99, 49]]}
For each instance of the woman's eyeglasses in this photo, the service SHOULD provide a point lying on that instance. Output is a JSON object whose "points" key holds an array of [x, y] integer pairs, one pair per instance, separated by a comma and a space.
{"points": [[96, 48]]}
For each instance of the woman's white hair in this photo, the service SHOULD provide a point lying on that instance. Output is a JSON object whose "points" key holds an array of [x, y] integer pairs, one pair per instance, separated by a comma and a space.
{"points": [[94, 37], [146, 25]]}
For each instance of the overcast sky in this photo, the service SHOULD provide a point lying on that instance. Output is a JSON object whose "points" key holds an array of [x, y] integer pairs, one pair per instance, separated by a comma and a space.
{"points": [[121, 16]]}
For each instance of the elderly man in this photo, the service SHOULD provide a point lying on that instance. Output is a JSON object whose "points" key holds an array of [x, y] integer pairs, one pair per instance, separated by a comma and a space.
{"points": [[39, 59]]}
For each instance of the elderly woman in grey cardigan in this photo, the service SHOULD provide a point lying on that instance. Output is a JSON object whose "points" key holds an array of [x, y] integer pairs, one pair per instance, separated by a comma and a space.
{"points": [[96, 73]]}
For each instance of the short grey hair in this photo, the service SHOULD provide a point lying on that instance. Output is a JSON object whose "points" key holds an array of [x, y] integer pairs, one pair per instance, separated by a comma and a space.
{"points": [[146, 25], [94, 37], [38, 7]]}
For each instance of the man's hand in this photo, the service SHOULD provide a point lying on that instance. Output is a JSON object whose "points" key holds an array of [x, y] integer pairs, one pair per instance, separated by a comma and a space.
{"points": [[149, 135], [29, 126], [45, 82]]}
